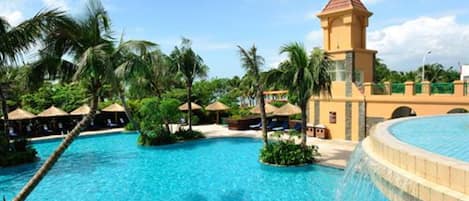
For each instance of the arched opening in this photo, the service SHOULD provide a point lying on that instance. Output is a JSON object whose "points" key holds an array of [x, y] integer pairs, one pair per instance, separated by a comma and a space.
{"points": [[458, 111], [403, 112]]}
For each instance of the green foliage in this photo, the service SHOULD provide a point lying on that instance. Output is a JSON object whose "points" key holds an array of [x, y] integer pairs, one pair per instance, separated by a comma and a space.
{"points": [[434, 73], [278, 103], [130, 127], [157, 136], [288, 153], [183, 135], [20, 153], [168, 110], [65, 96]]}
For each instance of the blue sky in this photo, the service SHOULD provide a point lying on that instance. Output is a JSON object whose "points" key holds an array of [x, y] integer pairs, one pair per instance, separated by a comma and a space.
{"points": [[401, 30]]}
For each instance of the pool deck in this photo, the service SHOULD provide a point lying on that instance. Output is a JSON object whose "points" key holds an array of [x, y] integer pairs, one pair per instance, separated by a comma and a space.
{"points": [[334, 153]]}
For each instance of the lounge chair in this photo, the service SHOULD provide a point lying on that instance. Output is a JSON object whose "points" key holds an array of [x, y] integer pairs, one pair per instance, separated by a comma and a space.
{"points": [[11, 132], [110, 124], [256, 126], [46, 130], [122, 121], [283, 127], [272, 125]]}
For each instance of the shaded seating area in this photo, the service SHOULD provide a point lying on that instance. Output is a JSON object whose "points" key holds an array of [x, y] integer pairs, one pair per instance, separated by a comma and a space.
{"points": [[55, 121], [217, 107]]}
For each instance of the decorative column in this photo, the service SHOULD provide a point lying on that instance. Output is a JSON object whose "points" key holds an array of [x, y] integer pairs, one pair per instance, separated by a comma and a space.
{"points": [[426, 88], [458, 88], [388, 88], [409, 89], [367, 88]]}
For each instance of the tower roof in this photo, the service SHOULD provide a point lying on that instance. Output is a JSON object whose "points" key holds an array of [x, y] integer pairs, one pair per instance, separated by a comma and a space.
{"points": [[342, 4]]}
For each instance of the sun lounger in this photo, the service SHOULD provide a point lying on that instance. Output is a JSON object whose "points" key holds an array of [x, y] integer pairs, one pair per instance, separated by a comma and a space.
{"points": [[283, 127], [256, 126], [11, 132], [110, 124]]}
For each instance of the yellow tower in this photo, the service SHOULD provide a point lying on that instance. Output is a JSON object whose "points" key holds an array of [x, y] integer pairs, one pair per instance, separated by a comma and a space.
{"points": [[344, 24]]}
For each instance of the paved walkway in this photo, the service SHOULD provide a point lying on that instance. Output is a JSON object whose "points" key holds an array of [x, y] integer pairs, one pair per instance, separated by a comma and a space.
{"points": [[333, 153]]}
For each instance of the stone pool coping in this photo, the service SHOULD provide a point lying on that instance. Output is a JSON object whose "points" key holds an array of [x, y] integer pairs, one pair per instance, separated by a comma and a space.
{"points": [[435, 173], [334, 153]]}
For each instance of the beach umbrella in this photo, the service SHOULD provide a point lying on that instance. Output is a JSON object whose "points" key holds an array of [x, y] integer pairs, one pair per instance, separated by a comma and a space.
{"points": [[185, 107], [81, 111], [217, 107], [53, 112], [116, 108], [268, 109], [288, 110], [20, 114]]}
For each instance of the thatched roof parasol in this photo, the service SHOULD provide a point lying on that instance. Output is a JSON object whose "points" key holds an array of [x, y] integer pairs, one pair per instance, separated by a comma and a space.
{"points": [[114, 108], [217, 106], [83, 110], [268, 109], [20, 114], [185, 107], [288, 110], [53, 112]]}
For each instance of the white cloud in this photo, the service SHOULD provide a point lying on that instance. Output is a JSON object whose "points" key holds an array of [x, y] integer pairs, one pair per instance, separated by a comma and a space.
{"points": [[402, 46], [11, 11]]}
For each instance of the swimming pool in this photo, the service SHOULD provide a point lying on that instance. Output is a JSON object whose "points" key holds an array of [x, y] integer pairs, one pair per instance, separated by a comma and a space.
{"points": [[113, 167], [445, 135]]}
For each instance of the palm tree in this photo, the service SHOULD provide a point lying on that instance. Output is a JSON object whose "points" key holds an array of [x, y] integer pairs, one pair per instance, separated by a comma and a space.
{"points": [[126, 60], [253, 63], [304, 75], [191, 66], [17, 40], [88, 41]]}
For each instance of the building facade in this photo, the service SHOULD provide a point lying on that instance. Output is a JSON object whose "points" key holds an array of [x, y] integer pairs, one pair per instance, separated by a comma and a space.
{"points": [[357, 103]]}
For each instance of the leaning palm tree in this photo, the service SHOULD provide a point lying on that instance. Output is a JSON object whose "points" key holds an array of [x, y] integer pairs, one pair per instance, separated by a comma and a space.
{"points": [[253, 63], [88, 41], [305, 75], [191, 66], [17, 40]]}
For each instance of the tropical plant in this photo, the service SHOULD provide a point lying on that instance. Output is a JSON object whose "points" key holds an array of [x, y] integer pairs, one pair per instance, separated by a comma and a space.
{"points": [[252, 63], [305, 75], [288, 153], [17, 40], [191, 66], [87, 40]]}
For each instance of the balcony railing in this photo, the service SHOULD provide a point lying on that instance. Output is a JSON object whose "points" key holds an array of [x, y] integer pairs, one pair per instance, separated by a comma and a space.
{"points": [[442, 88]]}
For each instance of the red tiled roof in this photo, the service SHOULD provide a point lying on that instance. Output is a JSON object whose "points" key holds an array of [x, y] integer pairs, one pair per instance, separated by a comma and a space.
{"points": [[340, 4]]}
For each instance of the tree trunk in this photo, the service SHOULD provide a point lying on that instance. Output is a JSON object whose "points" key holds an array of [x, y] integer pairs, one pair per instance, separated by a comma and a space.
{"points": [[260, 98], [189, 102], [5, 114], [303, 124], [45, 168], [127, 111]]}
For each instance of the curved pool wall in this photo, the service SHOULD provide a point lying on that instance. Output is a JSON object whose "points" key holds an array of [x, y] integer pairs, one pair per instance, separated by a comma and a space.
{"points": [[406, 172]]}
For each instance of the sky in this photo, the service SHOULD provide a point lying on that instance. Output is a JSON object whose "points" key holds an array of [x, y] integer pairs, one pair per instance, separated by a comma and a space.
{"points": [[402, 31]]}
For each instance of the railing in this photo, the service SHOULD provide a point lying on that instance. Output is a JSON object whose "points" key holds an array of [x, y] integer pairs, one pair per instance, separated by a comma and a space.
{"points": [[398, 88], [378, 89], [418, 88], [442, 88]]}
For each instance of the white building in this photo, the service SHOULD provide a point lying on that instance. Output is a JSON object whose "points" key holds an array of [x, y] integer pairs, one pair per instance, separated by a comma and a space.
{"points": [[465, 72]]}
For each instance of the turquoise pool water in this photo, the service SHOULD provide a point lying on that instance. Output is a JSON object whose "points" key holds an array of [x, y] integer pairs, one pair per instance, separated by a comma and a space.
{"points": [[113, 167], [444, 135]]}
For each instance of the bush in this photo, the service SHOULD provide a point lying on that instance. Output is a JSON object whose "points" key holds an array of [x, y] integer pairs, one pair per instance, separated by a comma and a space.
{"points": [[156, 137], [20, 153], [183, 135], [288, 153], [130, 127]]}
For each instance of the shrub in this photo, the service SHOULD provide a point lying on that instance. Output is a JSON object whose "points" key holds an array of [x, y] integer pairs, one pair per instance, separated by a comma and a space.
{"points": [[130, 127], [20, 153], [288, 153], [156, 137], [188, 135]]}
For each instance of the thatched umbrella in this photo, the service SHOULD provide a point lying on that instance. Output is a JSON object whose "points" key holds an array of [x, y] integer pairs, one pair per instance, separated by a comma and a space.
{"points": [[288, 110], [53, 112], [268, 109], [116, 108], [20, 114], [81, 111], [217, 107], [185, 107]]}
